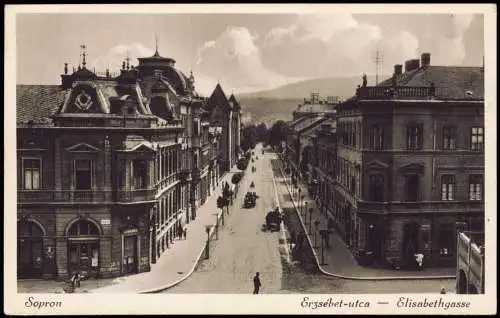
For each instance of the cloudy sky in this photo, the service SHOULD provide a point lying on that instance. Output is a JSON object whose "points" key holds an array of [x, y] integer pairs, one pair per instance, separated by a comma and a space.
{"points": [[245, 52]]}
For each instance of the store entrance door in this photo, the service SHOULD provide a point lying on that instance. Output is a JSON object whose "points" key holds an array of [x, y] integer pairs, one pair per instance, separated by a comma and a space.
{"points": [[130, 254]]}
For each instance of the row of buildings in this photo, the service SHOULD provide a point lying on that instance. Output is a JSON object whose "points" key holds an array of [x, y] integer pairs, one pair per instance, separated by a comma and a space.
{"points": [[397, 166], [110, 168]]}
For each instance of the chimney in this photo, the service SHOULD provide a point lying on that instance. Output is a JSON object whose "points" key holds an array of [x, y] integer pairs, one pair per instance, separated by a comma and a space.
{"points": [[398, 69], [425, 59], [65, 68], [411, 65]]}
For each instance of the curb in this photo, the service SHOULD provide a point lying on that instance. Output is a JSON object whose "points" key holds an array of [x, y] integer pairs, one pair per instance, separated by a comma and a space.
{"points": [[354, 277], [196, 263]]}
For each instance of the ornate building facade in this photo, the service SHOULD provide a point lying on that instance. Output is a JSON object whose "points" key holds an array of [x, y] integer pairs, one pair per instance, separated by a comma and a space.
{"points": [[109, 168], [225, 112], [410, 163]]}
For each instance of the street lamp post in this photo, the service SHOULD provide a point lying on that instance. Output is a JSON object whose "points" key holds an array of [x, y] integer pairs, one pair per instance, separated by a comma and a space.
{"points": [[316, 224], [305, 211], [207, 248], [311, 210], [323, 234], [301, 204], [216, 226]]}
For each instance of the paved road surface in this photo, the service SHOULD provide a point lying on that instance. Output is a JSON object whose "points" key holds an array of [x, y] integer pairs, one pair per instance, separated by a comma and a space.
{"points": [[243, 249]]}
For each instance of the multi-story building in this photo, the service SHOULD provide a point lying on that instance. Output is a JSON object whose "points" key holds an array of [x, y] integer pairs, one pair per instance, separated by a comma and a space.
{"points": [[299, 142], [226, 113], [106, 168], [410, 163], [316, 105], [323, 176]]}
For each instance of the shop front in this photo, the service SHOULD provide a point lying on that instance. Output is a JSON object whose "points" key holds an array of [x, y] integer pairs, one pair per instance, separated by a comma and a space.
{"points": [[83, 248], [130, 251]]}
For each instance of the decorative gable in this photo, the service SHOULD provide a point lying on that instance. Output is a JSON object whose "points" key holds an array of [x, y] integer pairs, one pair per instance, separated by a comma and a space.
{"points": [[412, 168], [82, 147], [377, 164]]}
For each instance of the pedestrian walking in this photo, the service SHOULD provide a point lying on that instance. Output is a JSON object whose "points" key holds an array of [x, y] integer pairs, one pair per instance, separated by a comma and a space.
{"points": [[75, 280], [184, 231], [256, 283], [419, 258]]}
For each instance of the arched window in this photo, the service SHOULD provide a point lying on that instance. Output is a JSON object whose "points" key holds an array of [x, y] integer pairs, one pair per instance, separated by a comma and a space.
{"points": [[83, 228], [28, 229], [29, 249]]}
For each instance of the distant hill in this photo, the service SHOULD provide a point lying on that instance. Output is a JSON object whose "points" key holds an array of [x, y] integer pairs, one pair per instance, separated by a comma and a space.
{"points": [[279, 103], [337, 86]]}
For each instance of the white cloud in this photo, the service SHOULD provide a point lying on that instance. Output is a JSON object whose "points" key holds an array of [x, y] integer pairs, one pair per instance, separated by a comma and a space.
{"points": [[329, 45], [234, 58], [116, 55]]}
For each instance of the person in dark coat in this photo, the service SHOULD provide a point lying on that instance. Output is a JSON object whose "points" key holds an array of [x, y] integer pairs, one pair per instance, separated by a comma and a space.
{"points": [[256, 283]]}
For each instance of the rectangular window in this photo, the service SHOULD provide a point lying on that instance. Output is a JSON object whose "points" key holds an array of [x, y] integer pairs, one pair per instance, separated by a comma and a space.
{"points": [[32, 173], [377, 188], [448, 188], [414, 137], [477, 138], [448, 137], [476, 187], [377, 137], [83, 174], [140, 174], [412, 187]]}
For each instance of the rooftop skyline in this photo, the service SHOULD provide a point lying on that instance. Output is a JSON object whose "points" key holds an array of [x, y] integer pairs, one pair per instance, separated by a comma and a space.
{"points": [[245, 52]]}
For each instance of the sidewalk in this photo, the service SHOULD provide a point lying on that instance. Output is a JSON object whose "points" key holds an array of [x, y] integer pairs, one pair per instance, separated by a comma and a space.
{"points": [[338, 259], [179, 261]]}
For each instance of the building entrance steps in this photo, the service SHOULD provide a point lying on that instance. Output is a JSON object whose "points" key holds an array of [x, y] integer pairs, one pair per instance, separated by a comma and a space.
{"points": [[338, 259]]}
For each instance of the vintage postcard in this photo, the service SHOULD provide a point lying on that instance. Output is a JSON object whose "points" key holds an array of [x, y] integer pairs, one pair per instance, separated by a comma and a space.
{"points": [[250, 159]]}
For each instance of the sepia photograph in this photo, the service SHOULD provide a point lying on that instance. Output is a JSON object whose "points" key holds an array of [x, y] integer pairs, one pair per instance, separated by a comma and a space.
{"points": [[292, 152]]}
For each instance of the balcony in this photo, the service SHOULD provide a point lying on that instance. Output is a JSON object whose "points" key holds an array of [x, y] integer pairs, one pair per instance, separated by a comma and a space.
{"points": [[137, 195], [403, 92], [420, 207], [85, 196], [35, 196], [196, 175]]}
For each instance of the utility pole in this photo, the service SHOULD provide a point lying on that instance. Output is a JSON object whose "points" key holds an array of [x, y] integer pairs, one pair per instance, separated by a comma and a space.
{"points": [[377, 59]]}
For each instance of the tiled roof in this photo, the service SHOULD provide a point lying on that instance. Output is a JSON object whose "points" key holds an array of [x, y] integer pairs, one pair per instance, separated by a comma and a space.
{"points": [[315, 108], [309, 123], [451, 82], [37, 103], [235, 102], [292, 123], [218, 98]]}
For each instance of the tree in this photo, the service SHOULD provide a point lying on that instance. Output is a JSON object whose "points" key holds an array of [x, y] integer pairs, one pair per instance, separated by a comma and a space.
{"points": [[236, 178], [278, 133]]}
